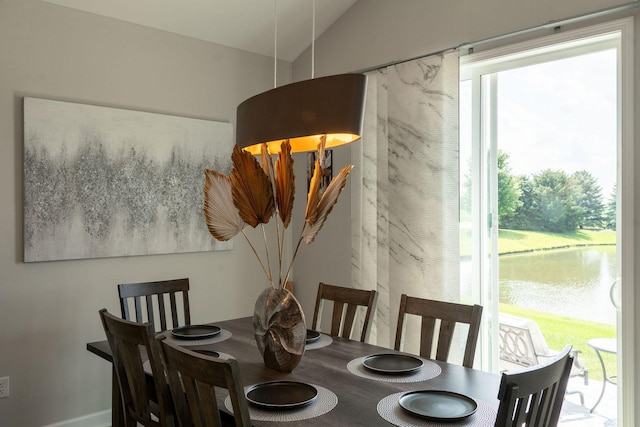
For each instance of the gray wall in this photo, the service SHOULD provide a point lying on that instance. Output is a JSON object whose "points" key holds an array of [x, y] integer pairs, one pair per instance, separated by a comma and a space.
{"points": [[49, 310]]}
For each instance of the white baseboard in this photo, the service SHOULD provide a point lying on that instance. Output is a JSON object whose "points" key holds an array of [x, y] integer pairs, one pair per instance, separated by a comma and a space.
{"points": [[97, 419]]}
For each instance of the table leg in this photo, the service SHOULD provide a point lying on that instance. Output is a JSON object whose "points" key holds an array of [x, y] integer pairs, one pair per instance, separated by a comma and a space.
{"points": [[604, 380], [117, 414]]}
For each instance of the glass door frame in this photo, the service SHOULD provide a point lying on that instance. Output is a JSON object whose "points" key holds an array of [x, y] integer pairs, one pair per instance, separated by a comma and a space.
{"points": [[479, 67]]}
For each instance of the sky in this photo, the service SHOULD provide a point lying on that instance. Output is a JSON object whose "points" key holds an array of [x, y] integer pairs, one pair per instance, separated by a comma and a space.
{"points": [[561, 115], [558, 115]]}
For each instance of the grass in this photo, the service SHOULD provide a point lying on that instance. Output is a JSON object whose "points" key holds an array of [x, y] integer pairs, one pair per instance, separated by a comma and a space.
{"points": [[561, 330], [515, 241]]}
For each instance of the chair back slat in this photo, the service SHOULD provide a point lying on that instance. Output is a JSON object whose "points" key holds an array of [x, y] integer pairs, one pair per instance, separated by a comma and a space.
{"points": [[439, 319], [534, 396], [155, 303], [345, 305], [150, 314]]}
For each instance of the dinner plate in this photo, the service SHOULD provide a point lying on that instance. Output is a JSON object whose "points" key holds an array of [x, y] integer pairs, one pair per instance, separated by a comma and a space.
{"points": [[312, 336], [438, 405], [281, 394], [195, 332], [392, 363]]}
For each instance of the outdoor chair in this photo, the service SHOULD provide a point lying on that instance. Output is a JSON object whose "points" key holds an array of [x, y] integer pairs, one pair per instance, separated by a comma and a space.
{"points": [[522, 345]]}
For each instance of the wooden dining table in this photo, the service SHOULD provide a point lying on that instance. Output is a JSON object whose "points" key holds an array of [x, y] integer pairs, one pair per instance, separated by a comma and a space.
{"points": [[357, 397]]}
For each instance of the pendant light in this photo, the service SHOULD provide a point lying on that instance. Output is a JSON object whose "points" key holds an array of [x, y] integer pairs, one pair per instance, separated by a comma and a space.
{"points": [[303, 111]]}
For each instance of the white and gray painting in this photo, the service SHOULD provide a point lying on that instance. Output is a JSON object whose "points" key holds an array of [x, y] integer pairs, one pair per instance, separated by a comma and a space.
{"points": [[405, 211], [104, 182]]}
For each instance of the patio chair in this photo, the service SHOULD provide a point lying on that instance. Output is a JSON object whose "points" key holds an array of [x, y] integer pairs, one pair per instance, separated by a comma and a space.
{"points": [[522, 345]]}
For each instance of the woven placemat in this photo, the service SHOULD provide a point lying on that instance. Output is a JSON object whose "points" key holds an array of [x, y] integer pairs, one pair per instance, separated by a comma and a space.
{"points": [[323, 341], [223, 335], [325, 402], [389, 409], [428, 371]]}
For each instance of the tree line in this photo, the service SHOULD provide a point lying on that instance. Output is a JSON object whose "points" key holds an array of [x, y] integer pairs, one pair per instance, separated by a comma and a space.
{"points": [[550, 200]]}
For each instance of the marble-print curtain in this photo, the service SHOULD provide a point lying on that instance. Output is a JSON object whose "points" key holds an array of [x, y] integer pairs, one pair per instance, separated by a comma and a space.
{"points": [[405, 197]]}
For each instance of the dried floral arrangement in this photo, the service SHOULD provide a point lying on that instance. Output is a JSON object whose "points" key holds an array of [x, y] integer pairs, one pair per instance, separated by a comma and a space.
{"points": [[254, 193]]}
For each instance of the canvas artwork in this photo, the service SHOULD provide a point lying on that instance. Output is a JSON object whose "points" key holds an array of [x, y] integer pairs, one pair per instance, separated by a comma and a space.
{"points": [[327, 168], [105, 182]]}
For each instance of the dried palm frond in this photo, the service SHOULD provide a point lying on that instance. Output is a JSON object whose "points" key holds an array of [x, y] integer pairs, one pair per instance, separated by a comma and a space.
{"points": [[221, 215], [251, 189], [325, 205], [285, 183], [267, 165], [314, 185]]}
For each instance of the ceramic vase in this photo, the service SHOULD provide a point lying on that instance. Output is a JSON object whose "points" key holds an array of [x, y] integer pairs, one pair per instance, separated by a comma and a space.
{"points": [[279, 329]]}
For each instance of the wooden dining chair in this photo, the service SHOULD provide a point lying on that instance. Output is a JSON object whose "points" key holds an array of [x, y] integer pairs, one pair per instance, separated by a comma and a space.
{"points": [[164, 293], [140, 402], [193, 378], [449, 314], [533, 397], [345, 304]]}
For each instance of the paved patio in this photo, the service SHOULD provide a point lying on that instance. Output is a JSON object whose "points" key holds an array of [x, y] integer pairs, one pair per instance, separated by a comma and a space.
{"points": [[574, 414]]}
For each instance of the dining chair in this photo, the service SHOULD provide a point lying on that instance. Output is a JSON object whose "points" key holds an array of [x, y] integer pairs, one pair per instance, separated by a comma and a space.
{"points": [[533, 397], [345, 304], [146, 292], [449, 314], [193, 378], [149, 406]]}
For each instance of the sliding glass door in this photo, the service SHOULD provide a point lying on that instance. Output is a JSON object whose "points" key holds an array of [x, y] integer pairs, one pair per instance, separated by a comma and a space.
{"points": [[540, 161]]}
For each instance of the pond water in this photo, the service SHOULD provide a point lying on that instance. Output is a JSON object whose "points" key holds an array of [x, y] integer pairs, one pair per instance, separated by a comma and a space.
{"points": [[573, 282]]}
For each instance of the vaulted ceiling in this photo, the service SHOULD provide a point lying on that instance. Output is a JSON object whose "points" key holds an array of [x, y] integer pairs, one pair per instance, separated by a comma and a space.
{"points": [[242, 24]]}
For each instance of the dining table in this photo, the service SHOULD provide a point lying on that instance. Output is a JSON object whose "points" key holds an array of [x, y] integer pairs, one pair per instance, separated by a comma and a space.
{"points": [[349, 393]]}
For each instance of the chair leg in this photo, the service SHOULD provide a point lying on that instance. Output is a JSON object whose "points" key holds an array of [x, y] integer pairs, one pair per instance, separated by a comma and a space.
{"points": [[579, 393]]}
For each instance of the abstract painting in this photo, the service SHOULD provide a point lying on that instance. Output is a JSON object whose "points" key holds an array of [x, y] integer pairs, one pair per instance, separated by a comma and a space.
{"points": [[106, 182]]}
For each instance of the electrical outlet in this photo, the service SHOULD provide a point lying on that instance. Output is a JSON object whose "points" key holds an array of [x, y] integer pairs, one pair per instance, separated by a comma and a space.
{"points": [[4, 387]]}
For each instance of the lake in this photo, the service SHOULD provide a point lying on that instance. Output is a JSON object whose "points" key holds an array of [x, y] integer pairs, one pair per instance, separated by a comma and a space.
{"points": [[573, 282]]}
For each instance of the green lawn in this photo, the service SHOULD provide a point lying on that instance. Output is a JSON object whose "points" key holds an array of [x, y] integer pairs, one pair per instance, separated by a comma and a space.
{"points": [[513, 241]]}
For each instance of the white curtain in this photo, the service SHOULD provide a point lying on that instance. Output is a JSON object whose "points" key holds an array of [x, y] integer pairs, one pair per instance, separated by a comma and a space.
{"points": [[405, 196]]}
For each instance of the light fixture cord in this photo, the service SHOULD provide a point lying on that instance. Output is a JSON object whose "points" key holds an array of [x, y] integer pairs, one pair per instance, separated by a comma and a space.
{"points": [[313, 40], [275, 43]]}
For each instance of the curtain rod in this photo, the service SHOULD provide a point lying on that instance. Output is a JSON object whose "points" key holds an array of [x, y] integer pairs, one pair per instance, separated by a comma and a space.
{"points": [[549, 24]]}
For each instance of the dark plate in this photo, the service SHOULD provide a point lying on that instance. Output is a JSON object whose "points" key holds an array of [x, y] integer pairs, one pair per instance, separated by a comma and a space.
{"points": [[312, 336], [281, 394], [195, 332], [391, 363], [438, 405], [208, 353]]}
